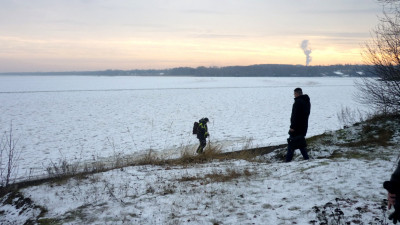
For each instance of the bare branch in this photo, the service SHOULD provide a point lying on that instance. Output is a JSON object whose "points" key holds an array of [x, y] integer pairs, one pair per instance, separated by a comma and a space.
{"points": [[383, 53], [9, 157]]}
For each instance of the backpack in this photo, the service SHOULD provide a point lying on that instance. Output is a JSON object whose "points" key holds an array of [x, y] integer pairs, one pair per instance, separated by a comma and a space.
{"points": [[195, 126]]}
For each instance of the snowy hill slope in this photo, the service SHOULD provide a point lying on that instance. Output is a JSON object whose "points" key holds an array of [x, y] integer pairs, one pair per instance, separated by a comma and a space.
{"points": [[344, 180]]}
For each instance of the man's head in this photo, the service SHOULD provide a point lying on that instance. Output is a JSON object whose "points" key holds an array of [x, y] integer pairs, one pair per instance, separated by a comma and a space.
{"points": [[298, 92], [206, 119]]}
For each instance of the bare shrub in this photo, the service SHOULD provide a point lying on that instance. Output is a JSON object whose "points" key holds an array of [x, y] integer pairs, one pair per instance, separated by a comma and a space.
{"points": [[348, 117], [9, 157], [61, 169], [248, 143], [383, 52], [117, 160]]}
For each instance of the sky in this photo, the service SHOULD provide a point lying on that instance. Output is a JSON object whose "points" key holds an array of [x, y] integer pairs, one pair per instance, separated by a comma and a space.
{"points": [[82, 35]]}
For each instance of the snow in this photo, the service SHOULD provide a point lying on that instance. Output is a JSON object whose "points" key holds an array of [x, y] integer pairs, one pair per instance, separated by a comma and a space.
{"points": [[274, 193], [88, 118], [77, 124], [338, 73]]}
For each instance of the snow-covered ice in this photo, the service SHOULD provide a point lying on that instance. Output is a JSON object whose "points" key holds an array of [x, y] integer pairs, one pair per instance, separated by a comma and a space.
{"points": [[158, 114], [81, 118]]}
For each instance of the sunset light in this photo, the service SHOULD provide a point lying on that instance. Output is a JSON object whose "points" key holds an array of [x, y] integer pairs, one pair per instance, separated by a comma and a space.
{"points": [[98, 35]]}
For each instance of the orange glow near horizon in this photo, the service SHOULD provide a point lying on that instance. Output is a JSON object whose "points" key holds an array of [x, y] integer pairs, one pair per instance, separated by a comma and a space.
{"points": [[66, 36], [145, 53]]}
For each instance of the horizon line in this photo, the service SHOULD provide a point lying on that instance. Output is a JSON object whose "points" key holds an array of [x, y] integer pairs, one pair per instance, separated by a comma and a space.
{"points": [[103, 70]]}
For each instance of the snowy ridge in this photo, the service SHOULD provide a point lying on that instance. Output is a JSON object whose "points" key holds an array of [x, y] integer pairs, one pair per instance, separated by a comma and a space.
{"points": [[347, 173]]}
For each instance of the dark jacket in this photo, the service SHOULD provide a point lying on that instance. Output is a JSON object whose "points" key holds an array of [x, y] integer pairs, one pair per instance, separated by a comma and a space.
{"points": [[202, 130], [395, 180], [300, 113], [393, 186]]}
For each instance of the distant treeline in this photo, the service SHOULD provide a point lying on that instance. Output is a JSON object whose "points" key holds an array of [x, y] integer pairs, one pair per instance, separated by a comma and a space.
{"points": [[263, 70]]}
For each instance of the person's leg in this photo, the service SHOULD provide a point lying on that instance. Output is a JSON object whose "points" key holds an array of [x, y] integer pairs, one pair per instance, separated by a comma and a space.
{"points": [[199, 148], [289, 154], [203, 144], [304, 153]]}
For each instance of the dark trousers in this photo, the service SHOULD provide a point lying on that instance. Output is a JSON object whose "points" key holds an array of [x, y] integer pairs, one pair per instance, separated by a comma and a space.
{"points": [[290, 152], [203, 144]]}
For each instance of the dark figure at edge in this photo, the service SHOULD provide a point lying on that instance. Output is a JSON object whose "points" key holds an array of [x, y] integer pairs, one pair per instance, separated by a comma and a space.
{"points": [[393, 188], [298, 125], [202, 134]]}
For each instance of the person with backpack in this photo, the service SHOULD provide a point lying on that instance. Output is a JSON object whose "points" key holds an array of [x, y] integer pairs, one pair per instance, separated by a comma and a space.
{"points": [[202, 133], [298, 125]]}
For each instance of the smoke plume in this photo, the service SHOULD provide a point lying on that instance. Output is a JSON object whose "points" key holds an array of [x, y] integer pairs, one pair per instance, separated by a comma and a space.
{"points": [[307, 51]]}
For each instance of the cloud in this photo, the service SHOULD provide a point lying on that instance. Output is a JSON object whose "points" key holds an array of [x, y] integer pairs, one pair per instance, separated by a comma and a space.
{"points": [[219, 36], [342, 11], [202, 11]]}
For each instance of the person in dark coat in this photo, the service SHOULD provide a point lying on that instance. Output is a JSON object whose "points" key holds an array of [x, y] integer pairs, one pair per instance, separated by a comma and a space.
{"points": [[393, 188], [298, 124], [202, 134]]}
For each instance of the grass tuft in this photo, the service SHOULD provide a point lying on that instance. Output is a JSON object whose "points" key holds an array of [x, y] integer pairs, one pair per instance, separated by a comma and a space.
{"points": [[372, 135], [48, 221], [219, 176]]}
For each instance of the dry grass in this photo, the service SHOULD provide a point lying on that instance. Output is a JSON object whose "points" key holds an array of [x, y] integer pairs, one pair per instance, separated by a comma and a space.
{"points": [[377, 130], [378, 118], [372, 135], [244, 155], [149, 158], [188, 157], [223, 177], [62, 171], [324, 138], [218, 176]]}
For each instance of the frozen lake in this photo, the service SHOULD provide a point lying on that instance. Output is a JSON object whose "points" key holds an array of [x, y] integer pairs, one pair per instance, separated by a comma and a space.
{"points": [[87, 117]]}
